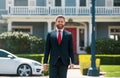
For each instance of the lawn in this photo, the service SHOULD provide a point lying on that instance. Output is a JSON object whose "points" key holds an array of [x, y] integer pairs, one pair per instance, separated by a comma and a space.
{"points": [[111, 70]]}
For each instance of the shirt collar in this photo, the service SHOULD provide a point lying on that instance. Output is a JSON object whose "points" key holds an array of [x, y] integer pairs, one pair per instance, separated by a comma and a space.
{"points": [[60, 29]]}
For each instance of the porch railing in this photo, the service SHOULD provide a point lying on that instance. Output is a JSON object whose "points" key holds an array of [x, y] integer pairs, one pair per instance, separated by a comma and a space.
{"points": [[107, 10], [62, 10], [28, 10]]}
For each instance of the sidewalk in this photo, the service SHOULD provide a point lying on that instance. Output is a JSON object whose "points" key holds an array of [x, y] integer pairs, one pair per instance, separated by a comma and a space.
{"points": [[72, 73], [75, 73]]}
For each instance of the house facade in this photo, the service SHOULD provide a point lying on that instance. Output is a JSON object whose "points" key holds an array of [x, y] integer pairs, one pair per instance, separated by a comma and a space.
{"points": [[37, 17]]}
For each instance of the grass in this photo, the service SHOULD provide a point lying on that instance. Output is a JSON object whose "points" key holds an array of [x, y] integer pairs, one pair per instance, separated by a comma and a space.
{"points": [[30, 54], [111, 70]]}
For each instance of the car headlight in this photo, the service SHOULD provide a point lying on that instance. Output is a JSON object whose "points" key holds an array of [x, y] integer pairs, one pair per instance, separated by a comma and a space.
{"points": [[36, 64]]}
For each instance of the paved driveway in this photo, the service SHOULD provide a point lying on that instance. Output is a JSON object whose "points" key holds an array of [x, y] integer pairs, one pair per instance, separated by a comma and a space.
{"points": [[72, 73]]}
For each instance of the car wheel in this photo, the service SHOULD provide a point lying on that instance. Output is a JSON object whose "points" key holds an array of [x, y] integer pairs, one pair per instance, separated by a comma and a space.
{"points": [[24, 70]]}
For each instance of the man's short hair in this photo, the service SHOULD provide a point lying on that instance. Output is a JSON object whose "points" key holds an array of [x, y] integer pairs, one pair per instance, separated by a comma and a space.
{"points": [[60, 16]]}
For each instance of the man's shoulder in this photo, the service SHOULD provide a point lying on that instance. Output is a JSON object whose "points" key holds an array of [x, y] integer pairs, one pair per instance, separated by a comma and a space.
{"points": [[68, 32], [53, 31]]}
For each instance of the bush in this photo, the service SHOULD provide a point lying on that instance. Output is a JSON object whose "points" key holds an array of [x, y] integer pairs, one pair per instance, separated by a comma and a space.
{"points": [[106, 46], [88, 49], [19, 42], [37, 44]]}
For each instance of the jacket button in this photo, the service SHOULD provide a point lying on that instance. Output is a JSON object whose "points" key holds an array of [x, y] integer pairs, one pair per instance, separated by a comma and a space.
{"points": [[58, 56]]}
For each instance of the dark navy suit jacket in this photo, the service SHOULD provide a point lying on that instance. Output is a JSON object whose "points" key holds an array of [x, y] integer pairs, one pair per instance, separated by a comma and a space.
{"points": [[64, 50]]}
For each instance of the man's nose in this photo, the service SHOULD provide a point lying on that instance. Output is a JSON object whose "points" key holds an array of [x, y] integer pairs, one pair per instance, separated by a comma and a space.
{"points": [[60, 22]]}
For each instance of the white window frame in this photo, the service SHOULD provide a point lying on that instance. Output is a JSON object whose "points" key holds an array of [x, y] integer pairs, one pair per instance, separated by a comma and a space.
{"points": [[33, 6], [24, 27], [33, 2], [109, 3], [110, 27], [87, 3]]}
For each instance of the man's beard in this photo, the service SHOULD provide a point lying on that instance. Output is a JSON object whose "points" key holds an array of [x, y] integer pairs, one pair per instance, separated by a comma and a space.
{"points": [[60, 26]]}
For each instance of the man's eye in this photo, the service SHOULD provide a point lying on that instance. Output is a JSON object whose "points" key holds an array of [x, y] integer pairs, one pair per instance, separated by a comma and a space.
{"points": [[60, 21]]}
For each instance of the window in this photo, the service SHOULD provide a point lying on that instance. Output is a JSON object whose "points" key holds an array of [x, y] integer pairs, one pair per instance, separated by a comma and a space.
{"points": [[24, 2], [114, 32], [3, 54], [57, 2], [116, 2], [81, 37], [99, 2], [41, 2], [70, 2], [20, 2], [26, 29], [82, 2]]}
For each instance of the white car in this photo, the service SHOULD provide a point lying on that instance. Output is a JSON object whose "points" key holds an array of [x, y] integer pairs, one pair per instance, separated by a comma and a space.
{"points": [[11, 64]]}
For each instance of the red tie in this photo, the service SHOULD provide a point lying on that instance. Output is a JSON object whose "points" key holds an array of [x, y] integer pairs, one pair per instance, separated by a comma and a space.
{"points": [[59, 37]]}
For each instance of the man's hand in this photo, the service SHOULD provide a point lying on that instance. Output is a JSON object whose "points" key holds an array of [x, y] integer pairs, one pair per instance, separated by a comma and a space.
{"points": [[71, 66], [45, 67]]}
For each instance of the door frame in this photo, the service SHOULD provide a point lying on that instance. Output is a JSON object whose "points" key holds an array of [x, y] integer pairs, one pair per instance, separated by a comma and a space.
{"points": [[77, 35], [85, 37]]}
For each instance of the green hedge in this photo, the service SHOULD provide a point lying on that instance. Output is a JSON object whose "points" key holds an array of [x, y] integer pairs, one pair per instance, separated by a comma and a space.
{"points": [[105, 46], [19, 42], [109, 59], [37, 57], [104, 59]]}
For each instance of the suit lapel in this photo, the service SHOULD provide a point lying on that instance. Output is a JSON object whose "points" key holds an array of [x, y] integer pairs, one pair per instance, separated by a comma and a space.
{"points": [[63, 37], [55, 35]]}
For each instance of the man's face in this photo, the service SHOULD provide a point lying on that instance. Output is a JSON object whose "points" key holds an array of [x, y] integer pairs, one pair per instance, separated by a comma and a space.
{"points": [[60, 22]]}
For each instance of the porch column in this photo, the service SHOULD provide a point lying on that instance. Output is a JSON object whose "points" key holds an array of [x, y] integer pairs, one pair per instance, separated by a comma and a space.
{"points": [[77, 6], [9, 25], [90, 31], [49, 26]]}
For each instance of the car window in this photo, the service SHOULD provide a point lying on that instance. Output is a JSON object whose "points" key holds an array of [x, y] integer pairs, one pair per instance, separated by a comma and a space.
{"points": [[3, 54]]}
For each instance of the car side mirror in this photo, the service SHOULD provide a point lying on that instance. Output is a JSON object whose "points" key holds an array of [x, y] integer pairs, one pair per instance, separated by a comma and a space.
{"points": [[10, 56]]}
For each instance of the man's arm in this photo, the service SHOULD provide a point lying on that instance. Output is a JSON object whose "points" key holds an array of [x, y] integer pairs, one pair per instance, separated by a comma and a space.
{"points": [[71, 52], [71, 49], [46, 52], [47, 48]]}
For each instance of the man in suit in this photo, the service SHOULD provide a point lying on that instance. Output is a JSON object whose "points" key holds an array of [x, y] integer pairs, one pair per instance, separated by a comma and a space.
{"points": [[59, 46]]}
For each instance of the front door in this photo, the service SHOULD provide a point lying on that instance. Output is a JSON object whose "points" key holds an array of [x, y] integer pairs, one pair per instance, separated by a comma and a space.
{"points": [[74, 36]]}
